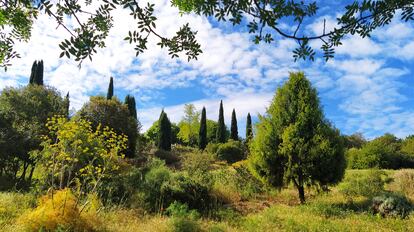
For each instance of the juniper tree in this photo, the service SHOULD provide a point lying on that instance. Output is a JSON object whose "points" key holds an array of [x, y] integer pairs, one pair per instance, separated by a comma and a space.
{"points": [[294, 143], [221, 129], [110, 93], [234, 134], [249, 128], [164, 133], [202, 135]]}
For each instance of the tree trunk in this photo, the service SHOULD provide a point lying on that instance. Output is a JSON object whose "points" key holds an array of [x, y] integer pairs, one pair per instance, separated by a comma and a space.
{"points": [[31, 173], [25, 166], [301, 192]]}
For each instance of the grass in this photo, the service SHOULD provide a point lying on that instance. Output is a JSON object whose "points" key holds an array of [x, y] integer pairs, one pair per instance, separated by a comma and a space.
{"points": [[277, 211]]}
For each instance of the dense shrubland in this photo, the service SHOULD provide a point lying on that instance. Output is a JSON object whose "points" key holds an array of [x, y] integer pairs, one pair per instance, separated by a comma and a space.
{"points": [[96, 171]]}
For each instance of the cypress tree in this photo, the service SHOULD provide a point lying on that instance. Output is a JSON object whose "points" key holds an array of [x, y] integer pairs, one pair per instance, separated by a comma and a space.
{"points": [[67, 103], [234, 131], [33, 72], [202, 135], [39, 73], [110, 93], [221, 129], [130, 102], [249, 128], [164, 132]]}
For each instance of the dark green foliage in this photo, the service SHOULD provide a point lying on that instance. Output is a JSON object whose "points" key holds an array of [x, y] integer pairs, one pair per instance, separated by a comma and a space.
{"points": [[33, 72], [39, 73], [110, 92], [67, 104], [356, 140], [130, 102], [164, 133], [231, 151], [234, 134], [221, 129], [36, 75], [24, 112], [294, 143], [249, 128], [114, 114], [152, 133], [169, 157], [178, 209], [391, 205], [202, 135], [159, 187]]}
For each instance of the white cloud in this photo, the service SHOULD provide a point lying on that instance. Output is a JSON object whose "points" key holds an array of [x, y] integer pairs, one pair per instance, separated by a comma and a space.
{"points": [[366, 90]]}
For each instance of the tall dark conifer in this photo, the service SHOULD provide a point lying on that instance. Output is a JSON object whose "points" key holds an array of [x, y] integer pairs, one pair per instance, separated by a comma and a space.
{"points": [[33, 72], [234, 134], [249, 128], [130, 102], [221, 129], [110, 93], [164, 133], [39, 73], [202, 135], [67, 103]]}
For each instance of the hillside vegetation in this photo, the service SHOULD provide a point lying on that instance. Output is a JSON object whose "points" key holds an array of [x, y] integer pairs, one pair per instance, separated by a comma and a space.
{"points": [[94, 170]]}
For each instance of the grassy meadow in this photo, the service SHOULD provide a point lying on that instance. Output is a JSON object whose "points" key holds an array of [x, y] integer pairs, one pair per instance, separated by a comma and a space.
{"points": [[268, 210]]}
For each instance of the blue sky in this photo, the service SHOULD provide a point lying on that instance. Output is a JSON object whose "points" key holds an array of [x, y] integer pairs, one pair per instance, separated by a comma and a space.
{"points": [[367, 88]]}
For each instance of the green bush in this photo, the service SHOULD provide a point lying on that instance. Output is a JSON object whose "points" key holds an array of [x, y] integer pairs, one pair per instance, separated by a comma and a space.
{"points": [[212, 148], [159, 187], [198, 165], [183, 219], [367, 184], [168, 156], [185, 189], [391, 205], [384, 152], [232, 151], [177, 209]]}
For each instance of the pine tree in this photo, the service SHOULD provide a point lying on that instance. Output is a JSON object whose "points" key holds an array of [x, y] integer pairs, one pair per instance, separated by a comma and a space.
{"points": [[39, 73], [67, 103], [164, 133], [249, 128], [221, 130], [33, 72], [110, 93], [234, 131], [130, 102], [202, 135]]}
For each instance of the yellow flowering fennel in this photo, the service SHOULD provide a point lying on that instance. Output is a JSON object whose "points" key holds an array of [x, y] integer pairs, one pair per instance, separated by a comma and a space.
{"points": [[75, 155]]}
